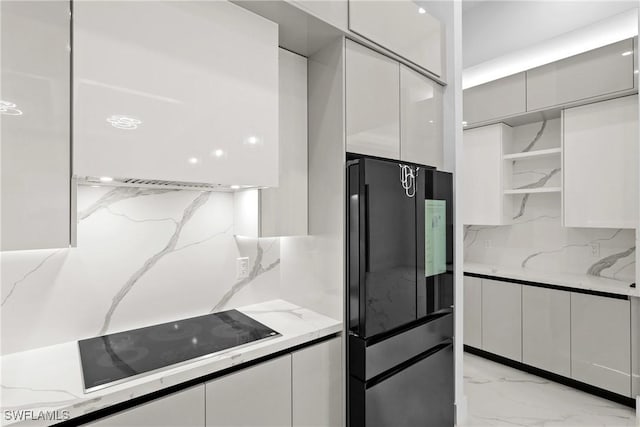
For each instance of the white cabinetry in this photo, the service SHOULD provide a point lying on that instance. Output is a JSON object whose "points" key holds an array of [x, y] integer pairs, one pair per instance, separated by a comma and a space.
{"points": [[317, 385], [485, 176], [499, 98], [601, 71], [190, 96], [403, 27], [282, 211], [502, 319], [473, 311], [421, 130], [600, 143], [35, 123], [600, 342], [184, 409], [256, 396], [546, 329], [373, 102]]}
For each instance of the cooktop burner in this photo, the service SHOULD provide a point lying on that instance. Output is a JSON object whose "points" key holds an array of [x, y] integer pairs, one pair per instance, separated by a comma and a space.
{"points": [[108, 359]]}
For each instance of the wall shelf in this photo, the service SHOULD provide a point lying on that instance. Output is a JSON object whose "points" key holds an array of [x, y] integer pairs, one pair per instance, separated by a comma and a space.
{"points": [[534, 190], [533, 154]]}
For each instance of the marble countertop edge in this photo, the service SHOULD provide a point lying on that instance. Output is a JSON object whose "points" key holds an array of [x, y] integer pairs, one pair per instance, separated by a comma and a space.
{"points": [[569, 280], [50, 378]]}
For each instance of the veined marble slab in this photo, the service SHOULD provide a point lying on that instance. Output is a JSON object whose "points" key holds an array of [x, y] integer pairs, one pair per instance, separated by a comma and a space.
{"points": [[569, 280], [50, 378]]}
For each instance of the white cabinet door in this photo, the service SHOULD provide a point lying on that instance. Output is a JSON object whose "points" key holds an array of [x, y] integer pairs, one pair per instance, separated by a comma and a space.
{"points": [[502, 318], [600, 342], [35, 123], [597, 72], [486, 175], [500, 98], [546, 329], [190, 96], [600, 143], [318, 385], [421, 130], [184, 409], [473, 311], [256, 396], [373, 102], [403, 27]]}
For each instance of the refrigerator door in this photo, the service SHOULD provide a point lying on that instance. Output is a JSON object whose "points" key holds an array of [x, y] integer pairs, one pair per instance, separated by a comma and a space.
{"points": [[383, 264]]}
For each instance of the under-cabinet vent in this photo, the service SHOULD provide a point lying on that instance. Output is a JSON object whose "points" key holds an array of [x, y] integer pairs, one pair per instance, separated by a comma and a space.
{"points": [[156, 183]]}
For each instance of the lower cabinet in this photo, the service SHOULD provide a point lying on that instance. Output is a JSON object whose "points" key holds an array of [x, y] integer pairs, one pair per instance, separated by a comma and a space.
{"points": [[473, 311], [256, 396], [317, 387], [600, 342], [502, 318], [184, 408], [546, 329]]}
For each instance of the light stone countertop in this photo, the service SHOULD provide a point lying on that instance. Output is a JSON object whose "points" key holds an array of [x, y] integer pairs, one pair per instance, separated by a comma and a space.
{"points": [[50, 378], [569, 280]]}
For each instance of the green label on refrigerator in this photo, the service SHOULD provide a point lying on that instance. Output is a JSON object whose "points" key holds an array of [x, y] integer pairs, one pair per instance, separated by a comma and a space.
{"points": [[435, 237]]}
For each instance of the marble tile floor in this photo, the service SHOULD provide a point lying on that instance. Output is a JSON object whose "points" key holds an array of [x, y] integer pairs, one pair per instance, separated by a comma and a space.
{"points": [[498, 395]]}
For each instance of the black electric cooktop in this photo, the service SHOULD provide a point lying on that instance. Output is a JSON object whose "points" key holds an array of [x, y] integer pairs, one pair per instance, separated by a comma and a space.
{"points": [[110, 358]]}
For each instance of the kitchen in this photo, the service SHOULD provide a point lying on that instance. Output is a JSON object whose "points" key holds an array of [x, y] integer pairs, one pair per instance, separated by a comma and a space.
{"points": [[145, 183]]}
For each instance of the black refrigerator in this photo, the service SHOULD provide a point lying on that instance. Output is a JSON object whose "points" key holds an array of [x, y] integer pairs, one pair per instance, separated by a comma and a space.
{"points": [[400, 294]]}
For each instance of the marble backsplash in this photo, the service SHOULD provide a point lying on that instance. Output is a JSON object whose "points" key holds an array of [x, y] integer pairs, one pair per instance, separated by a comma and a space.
{"points": [[144, 256], [536, 239]]}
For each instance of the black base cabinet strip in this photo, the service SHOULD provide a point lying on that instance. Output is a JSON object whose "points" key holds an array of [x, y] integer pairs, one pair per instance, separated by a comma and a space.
{"points": [[548, 286], [588, 388], [137, 401]]}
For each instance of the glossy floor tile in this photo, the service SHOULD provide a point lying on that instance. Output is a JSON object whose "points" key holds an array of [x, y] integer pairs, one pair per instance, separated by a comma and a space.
{"points": [[498, 395]]}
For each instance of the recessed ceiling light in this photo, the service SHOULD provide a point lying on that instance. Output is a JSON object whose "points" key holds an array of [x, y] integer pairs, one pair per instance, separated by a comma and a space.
{"points": [[421, 11], [193, 160], [252, 140], [235, 187], [430, 121], [9, 109], [124, 122], [106, 179], [627, 53], [464, 123], [218, 153], [635, 71]]}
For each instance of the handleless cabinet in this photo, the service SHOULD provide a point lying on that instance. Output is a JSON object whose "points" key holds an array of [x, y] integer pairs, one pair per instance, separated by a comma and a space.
{"points": [[546, 329], [600, 170], [601, 71], [256, 396], [502, 318], [317, 385], [473, 311], [184, 408], [499, 98], [190, 96], [35, 125], [421, 130], [485, 176], [373, 102], [403, 27], [600, 344]]}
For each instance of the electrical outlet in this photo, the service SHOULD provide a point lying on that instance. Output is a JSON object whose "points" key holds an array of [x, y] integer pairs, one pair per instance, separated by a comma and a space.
{"points": [[595, 249], [242, 268]]}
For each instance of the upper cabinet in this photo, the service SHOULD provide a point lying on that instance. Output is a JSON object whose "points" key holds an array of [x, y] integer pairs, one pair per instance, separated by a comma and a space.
{"points": [[35, 123], [597, 72], [421, 129], [600, 147], [373, 102], [499, 98], [403, 27], [485, 176], [190, 96], [392, 111], [282, 211]]}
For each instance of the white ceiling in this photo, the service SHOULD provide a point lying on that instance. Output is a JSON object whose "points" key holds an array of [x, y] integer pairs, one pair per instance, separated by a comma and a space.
{"points": [[491, 29]]}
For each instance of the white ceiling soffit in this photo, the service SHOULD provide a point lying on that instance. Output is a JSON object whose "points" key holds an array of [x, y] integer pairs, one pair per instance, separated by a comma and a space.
{"points": [[618, 27]]}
